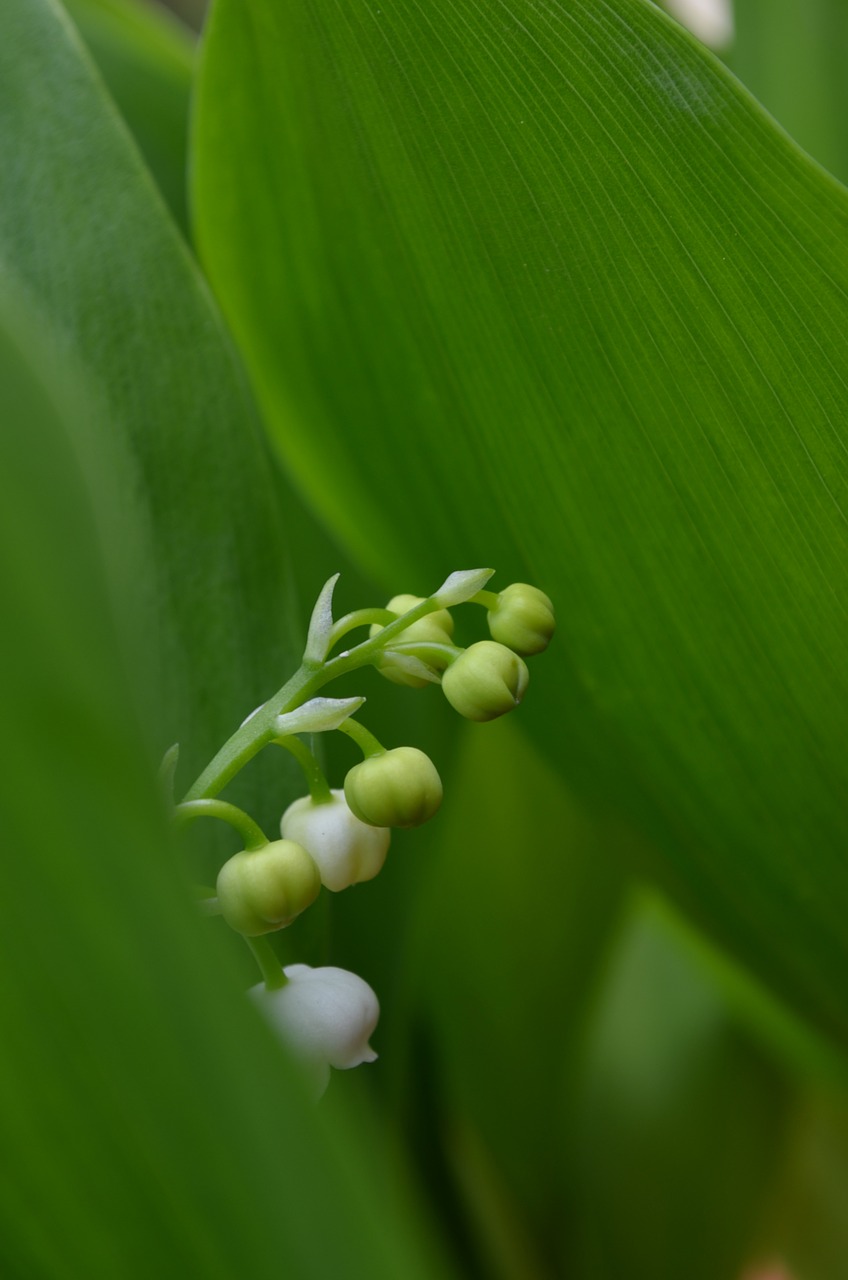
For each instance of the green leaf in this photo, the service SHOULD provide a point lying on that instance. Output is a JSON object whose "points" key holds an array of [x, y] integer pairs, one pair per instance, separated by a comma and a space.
{"points": [[145, 58], [188, 511], [517, 896], [805, 1223], [677, 1124], [540, 286], [146, 1113], [791, 54]]}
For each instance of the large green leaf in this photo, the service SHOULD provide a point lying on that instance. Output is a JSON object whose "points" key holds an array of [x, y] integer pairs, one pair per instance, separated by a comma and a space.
{"points": [[189, 514], [539, 285], [791, 54], [149, 1122], [677, 1124], [145, 58], [519, 892], [806, 1222]]}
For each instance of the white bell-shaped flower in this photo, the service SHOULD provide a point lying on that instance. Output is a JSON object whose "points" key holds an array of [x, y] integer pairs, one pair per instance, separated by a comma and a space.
{"points": [[345, 850], [325, 1016]]}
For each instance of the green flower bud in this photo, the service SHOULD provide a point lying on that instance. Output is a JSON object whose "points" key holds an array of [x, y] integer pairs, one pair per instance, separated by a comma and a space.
{"points": [[400, 788], [433, 628], [260, 890], [523, 619], [486, 681]]}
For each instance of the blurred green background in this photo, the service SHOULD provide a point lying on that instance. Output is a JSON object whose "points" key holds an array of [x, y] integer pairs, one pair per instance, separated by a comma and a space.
{"points": [[613, 1038]]}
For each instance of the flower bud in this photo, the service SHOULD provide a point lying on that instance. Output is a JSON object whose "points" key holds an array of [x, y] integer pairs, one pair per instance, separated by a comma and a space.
{"points": [[400, 788], [486, 681], [260, 890], [433, 628], [397, 673], [345, 850], [325, 1016], [523, 619]]}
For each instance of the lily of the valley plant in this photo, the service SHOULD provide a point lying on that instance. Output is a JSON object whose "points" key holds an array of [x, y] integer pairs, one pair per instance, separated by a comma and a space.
{"points": [[336, 838]]}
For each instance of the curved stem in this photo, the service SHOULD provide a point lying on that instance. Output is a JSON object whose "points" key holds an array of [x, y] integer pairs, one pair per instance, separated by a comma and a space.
{"points": [[269, 965], [254, 734], [364, 653], [249, 739], [435, 653], [319, 787], [488, 599], [360, 618], [364, 738], [251, 832]]}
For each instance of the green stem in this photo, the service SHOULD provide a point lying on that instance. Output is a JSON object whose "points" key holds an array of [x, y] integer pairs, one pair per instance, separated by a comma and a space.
{"points": [[254, 734], [269, 965], [435, 653], [259, 730], [364, 739], [319, 787], [489, 599], [368, 649], [252, 834], [361, 618]]}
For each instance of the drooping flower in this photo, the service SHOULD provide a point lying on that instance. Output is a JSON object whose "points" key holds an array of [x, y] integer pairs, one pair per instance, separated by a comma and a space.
{"points": [[522, 619], [325, 1016], [346, 850], [486, 681], [399, 788], [260, 890]]}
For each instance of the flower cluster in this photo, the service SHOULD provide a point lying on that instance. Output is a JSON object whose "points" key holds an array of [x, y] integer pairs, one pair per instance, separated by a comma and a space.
{"points": [[340, 837]]}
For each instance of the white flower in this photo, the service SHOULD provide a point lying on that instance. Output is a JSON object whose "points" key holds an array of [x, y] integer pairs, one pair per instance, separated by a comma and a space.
{"points": [[325, 1016], [345, 850]]}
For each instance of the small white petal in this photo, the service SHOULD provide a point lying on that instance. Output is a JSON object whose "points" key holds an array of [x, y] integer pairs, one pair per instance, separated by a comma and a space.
{"points": [[710, 20], [345, 850], [461, 586], [324, 1015]]}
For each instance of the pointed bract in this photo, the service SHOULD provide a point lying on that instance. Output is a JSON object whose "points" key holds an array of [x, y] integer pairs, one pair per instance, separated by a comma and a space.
{"points": [[461, 586], [319, 715], [321, 623]]}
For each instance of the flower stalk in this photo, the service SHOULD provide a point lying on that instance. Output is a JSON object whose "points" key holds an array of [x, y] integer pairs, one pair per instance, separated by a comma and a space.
{"points": [[340, 838]]}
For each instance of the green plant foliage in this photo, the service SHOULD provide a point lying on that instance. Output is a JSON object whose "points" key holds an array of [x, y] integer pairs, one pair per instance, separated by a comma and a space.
{"points": [[188, 511], [150, 1125], [805, 1223], [146, 61], [677, 1122], [791, 54], [517, 898], [542, 286], [532, 283]]}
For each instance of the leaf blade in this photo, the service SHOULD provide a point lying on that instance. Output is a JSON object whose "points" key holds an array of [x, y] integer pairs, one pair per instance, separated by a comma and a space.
{"points": [[189, 514], [565, 301], [146, 1111]]}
